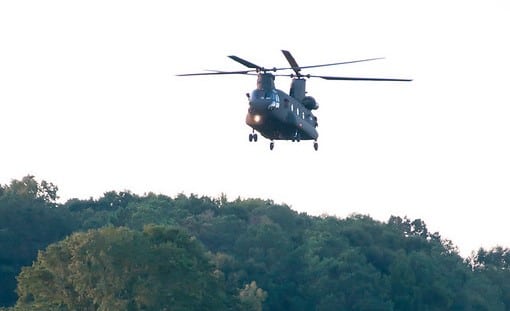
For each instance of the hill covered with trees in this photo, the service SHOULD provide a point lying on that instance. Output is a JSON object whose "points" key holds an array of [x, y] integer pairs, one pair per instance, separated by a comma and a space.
{"points": [[123, 251]]}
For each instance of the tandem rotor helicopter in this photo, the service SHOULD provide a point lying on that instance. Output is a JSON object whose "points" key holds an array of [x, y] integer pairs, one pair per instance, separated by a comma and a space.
{"points": [[277, 115]]}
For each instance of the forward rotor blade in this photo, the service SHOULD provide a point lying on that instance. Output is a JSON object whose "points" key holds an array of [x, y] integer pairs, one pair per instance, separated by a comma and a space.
{"points": [[292, 61], [358, 79], [215, 73], [244, 62], [245, 72]]}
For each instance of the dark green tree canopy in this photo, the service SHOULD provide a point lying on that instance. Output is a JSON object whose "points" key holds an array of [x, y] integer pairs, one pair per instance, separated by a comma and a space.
{"points": [[121, 269], [30, 219], [28, 191], [130, 252]]}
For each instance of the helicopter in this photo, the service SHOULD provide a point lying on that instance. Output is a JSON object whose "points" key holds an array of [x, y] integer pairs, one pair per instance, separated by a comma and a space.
{"points": [[277, 115]]}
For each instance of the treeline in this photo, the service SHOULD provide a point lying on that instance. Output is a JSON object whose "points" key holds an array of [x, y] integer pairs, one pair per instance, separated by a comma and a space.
{"points": [[153, 252]]}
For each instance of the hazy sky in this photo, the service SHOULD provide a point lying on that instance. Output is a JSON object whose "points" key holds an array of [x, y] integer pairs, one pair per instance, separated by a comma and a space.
{"points": [[89, 101]]}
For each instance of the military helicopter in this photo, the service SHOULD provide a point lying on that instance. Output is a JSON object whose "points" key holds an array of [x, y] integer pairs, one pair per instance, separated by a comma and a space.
{"points": [[277, 115]]}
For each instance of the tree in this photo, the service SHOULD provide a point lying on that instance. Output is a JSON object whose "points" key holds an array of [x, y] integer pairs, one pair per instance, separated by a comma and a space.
{"points": [[160, 268], [494, 265], [30, 220], [27, 190], [266, 257], [251, 297]]}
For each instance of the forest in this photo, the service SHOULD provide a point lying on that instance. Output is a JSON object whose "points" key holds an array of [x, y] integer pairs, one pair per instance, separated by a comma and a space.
{"points": [[124, 251]]}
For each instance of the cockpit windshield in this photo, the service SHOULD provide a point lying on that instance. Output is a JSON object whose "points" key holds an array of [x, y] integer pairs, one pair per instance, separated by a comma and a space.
{"points": [[261, 94]]}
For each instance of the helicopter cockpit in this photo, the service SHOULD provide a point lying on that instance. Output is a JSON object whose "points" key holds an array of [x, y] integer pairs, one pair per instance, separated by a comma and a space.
{"points": [[268, 99]]}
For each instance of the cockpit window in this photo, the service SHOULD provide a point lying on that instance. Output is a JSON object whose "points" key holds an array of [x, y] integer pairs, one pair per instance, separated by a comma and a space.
{"points": [[258, 94]]}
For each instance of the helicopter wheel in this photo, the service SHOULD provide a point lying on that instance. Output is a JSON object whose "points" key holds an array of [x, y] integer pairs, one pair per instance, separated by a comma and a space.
{"points": [[253, 137], [297, 137], [316, 146], [271, 145]]}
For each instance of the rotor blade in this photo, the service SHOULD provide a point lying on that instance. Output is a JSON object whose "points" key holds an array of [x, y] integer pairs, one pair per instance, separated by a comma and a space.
{"points": [[358, 79], [292, 61], [247, 72], [215, 72], [330, 64], [342, 63], [244, 62]]}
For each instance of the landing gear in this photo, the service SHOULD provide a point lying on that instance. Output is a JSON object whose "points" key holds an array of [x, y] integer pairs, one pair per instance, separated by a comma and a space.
{"points": [[271, 145], [315, 145], [253, 137], [297, 137]]}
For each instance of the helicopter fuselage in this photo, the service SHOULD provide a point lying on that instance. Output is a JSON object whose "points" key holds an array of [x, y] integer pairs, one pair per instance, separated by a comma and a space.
{"points": [[277, 115]]}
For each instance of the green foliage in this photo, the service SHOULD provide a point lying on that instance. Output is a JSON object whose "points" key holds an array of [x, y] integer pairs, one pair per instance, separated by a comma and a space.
{"points": [[120, 269], [29, 221], [25, 192], [492, 268], [191, 252], [251, 297]]}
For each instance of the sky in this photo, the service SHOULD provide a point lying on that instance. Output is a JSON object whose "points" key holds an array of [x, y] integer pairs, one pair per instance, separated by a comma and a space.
{"points": [[89, 100]]}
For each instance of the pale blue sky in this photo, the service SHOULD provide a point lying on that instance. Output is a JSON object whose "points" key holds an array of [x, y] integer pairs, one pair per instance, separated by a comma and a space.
{"points": [[89, 101]]}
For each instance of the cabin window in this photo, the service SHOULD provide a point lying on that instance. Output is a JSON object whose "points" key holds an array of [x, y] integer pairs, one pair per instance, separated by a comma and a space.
{"points": [[292, 107]]}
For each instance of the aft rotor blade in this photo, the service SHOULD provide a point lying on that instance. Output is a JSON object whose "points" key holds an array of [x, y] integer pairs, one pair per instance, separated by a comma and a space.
{"points": [[297, 68], [292, 61], [244, 62], [358, 79], [342, 63], [215, 73]]}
